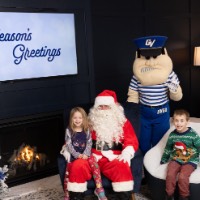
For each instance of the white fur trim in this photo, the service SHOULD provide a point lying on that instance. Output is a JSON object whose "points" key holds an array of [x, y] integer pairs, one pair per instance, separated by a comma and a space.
{"points": [[65, 153], [77, 187], [109, 154], [130, 150], [123, 186], [98, 157], [179, 147], [103, 100]]}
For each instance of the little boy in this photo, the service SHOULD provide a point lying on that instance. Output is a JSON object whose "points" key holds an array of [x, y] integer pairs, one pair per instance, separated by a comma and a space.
{"points": [[182, 151]]}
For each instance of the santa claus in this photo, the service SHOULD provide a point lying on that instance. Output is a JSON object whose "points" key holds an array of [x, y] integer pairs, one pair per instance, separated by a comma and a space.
{"points": [[114, 145], [114, 142]]}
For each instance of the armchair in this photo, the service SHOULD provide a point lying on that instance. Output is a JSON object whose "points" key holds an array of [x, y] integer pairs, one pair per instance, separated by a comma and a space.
{"points": [[157, 172]]}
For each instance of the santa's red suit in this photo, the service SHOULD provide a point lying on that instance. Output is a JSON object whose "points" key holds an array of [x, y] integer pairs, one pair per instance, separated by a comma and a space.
{"points": [[117, 171], [114, 145]]}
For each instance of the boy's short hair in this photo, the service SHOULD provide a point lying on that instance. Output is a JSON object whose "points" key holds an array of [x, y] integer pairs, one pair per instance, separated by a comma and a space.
{"points": [[182, 112]]}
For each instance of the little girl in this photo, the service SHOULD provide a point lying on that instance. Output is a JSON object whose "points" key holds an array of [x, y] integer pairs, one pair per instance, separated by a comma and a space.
{"points": [[78, 145]]}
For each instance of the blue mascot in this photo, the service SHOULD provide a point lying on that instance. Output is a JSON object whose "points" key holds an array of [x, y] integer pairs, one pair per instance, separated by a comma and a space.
{"points": [[152, 86]]}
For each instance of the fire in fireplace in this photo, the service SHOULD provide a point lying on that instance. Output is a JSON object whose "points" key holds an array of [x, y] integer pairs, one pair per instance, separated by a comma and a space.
{"points": [[30, 146], [27, 157]]}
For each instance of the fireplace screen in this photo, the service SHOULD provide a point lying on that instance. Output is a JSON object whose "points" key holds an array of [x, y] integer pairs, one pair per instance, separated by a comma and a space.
{"points": [[30, 147]]}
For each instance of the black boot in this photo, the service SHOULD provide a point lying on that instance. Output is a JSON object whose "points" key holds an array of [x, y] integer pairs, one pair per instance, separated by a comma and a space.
{"points": [[124, 195], [183, 198], [167, 197], [76, 195]]}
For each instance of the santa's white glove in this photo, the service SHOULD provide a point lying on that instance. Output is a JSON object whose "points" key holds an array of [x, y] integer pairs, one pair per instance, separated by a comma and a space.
{"points": [[173, 85], [109, 154], [65, 153], [125, 157], [127, 154]]}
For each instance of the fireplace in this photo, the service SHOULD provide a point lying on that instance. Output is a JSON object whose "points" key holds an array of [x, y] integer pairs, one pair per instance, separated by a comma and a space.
{"points": [[30, 146]]}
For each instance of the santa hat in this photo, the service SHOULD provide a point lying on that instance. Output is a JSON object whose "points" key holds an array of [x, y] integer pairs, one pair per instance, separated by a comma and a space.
{"points": [[182, 146], [107, 97]]}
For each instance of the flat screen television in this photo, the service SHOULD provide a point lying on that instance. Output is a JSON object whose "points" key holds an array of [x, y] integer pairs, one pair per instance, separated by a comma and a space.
{"points": [[36, 45]]}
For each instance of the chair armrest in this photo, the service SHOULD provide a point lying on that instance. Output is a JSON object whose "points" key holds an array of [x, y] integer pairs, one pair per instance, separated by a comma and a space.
{"points": [[61, 167], [136, 169], [153, 157]]}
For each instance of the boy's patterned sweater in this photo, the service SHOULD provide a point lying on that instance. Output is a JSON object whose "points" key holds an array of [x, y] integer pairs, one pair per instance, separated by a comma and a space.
{"points": [[189, 155]]}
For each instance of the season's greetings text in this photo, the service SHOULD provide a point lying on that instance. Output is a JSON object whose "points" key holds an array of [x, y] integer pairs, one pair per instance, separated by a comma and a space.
{"points": [[22, 52]]}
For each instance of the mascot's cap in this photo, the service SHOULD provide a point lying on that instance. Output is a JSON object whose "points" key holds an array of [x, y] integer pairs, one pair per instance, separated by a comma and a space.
{"points": [[107, 97], [180, 145], [150, 45]]}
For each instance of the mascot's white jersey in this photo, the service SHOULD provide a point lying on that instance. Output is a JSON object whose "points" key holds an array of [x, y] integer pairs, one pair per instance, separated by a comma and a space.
{"points": [[154, 95]]}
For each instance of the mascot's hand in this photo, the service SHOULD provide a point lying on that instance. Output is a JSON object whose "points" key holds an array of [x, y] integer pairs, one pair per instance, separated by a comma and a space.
{"points": [[65, 153], [125, 157], [173, 85]]}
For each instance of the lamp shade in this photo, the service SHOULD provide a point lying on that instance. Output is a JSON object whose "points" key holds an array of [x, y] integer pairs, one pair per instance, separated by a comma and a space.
{"points": [[197, 56]]}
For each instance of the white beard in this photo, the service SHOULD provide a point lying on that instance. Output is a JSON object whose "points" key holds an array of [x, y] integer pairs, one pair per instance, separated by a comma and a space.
{"points": [[108, 124]]}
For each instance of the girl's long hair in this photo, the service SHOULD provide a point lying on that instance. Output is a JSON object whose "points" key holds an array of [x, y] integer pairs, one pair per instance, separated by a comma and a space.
{"points": [[84, 115]]}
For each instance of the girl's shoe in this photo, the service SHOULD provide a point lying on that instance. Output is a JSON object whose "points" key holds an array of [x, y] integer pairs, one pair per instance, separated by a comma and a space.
{"points": [[66, 198], [100, 193]]}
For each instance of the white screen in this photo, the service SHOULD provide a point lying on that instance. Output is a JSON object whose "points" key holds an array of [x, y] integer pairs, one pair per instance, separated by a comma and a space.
{"points": [[34, 45]]}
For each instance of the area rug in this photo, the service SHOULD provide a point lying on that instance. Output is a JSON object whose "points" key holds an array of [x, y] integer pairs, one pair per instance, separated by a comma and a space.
{"points": [[50, 188]]}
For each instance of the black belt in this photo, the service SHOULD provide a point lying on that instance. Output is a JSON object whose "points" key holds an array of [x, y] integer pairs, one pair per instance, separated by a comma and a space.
{"points": [[106, 147], [161, 106]]}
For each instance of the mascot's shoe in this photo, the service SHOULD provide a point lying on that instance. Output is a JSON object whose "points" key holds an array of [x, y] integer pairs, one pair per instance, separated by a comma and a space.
{"points": [[100, 193], [76, 195]]}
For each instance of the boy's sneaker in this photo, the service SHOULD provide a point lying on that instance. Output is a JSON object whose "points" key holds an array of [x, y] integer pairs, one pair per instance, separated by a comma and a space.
{"points": [[100, 193], [169, 197], [183, 198]]}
